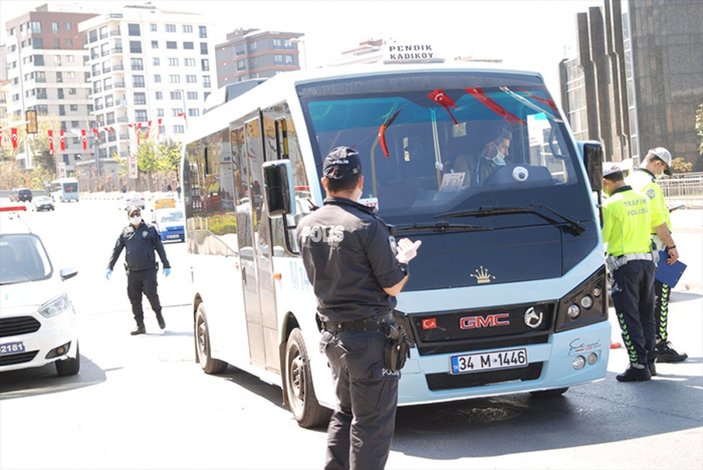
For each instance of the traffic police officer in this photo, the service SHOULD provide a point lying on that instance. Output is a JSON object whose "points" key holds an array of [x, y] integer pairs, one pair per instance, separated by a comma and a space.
{"points": [[350, 261], [626, 227], [644, 179], [140, 241]]}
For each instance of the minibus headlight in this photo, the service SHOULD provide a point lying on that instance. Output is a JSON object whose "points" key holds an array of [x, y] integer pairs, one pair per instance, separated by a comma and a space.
{"points": [[54, 306], [587, 301], [584, 305], [579, 362], [573, 311], [592, 358]]}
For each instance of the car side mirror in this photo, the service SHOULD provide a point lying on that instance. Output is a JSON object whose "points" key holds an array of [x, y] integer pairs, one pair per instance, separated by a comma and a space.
{"points": [[68, 273], [593, 162]]}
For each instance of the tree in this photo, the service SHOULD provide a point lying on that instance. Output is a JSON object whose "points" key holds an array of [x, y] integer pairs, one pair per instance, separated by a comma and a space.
{"points": [[44, 167], [679, 165]]}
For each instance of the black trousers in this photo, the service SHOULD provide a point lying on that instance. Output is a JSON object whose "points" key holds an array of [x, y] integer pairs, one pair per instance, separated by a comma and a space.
{"points": [[139, 282], [634, 306], [661, 309], [361, 429]]}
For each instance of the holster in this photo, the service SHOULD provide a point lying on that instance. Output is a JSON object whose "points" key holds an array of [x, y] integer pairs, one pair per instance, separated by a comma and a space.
{"points": [[397, 349]]}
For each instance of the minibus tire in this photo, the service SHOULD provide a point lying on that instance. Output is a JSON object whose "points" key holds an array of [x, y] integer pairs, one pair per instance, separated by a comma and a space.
{"points": [[555, 392], [69, 366], [202, 345], [301, 393]]}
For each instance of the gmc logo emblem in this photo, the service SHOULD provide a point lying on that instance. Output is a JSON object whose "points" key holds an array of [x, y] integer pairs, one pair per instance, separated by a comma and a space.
{"points": [[484, 321]]}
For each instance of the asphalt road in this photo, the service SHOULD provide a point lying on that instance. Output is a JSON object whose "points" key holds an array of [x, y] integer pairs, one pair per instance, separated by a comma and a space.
{"points": [[142, 402]]}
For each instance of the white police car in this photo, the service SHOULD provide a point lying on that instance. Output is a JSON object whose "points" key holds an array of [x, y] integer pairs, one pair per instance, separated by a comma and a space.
{"points": [[38, 324]]}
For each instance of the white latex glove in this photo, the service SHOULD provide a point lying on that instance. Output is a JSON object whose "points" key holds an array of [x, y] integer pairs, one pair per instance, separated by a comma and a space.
{"points": [[407, 250]]}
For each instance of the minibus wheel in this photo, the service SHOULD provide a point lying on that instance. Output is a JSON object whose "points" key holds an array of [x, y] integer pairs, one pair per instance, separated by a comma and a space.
{"points": [[555, 392], [202, 345], [301, 394], [69, 366]]}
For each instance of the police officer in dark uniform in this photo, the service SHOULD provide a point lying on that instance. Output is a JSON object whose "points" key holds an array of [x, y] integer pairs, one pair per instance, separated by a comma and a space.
{"points": [[351, 261], [626, 226], [140, 241]]}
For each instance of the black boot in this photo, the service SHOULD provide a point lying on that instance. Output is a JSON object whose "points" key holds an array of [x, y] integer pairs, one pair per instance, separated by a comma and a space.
{"points": [[139, 331], [635, 373], [665, 353], [160, 319], [652, 368]]}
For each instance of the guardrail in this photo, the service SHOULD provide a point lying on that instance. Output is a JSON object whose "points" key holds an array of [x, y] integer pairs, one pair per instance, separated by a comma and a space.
{"points": [[686, 189]]}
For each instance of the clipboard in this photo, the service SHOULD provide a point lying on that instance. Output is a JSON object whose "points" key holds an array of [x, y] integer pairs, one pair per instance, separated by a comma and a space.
{"points": [[668, 273]]}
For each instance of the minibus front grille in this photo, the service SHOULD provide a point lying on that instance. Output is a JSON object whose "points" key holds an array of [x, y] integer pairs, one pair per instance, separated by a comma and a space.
{"points": [[17, 358], [447, 347], [437, 382], [14, 326]]}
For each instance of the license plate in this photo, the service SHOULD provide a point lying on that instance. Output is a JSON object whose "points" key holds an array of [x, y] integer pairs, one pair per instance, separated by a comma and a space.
{"points": [[468, 363], [11, 348], [173, 235]]}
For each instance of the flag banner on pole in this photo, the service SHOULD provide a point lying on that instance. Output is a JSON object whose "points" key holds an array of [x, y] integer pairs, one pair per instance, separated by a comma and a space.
{"points": [[148, 128], [84, 139], [62, 140], [50, 138], [1, 131], [95, 131], [14, 137], [139, 133]]}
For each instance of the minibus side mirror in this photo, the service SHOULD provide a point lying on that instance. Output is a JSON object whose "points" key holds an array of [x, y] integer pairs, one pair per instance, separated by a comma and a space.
{"points": [[278, 188], [593, 161]]}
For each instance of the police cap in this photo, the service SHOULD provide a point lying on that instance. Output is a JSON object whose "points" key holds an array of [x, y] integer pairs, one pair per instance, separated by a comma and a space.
{"points": [[132, 209], [610, 169], [341, 163], [664, 155]]}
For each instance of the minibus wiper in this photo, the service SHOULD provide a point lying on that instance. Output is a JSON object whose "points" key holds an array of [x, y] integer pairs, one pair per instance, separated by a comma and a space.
{"points": [[538, 209], [439, 227]]}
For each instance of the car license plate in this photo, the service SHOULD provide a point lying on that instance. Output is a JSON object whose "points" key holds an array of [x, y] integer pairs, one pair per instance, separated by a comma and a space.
{"points": [[173, 235], [509, 359], [11, 348]]}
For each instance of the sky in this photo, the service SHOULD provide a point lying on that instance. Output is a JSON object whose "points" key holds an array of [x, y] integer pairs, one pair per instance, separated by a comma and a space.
{"points": [[526, 34]]}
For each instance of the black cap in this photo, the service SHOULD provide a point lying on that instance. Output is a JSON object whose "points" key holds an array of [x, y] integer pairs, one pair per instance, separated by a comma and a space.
{"points": [[132, 209], [341, 163]]}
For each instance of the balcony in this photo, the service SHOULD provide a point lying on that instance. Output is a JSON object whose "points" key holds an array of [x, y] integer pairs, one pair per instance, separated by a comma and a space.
{"points": [[122, 119], [116, 50], [120, 84], [121, 104], [115, 32], [118, 67]]}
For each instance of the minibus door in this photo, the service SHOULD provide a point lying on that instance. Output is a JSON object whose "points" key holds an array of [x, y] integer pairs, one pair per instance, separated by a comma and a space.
{"points": [[253, 234]]}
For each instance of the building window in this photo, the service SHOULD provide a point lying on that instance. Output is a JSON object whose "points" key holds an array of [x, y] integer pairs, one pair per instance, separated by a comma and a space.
{"points": [[176, 112], [191, 79], [159, 112], [153, 28], [68, 26], [156, 61], [134, 29], [140, 115], [193, 112], [174, 78], [138, 81], [73, 107], [135, 47], [187, 28], [38, 43], [38, 60], [203, 48], [35, 26], [206, 81], [205, 65], [178, 129], [54, 27], [176, 95], [154, 44], [68, 42], [137, 64], [171, 45], [202, 31], [157, 78], [192, 95], [140, 98], [159, 95], [93, 35], [189, 62], [188, 45], [71, 91], [170, 28], [109, 101], [173, 62]]}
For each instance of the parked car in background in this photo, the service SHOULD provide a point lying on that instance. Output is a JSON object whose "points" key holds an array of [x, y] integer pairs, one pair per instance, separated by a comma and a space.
{"points": [[38, 324], [21, 195], [43, 203], [169, 223], [133, 199]]}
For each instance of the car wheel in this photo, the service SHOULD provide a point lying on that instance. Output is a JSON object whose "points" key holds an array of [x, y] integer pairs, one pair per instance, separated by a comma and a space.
{"points": [[555, 392], [301, 394], [69, 366], [202, 345]]}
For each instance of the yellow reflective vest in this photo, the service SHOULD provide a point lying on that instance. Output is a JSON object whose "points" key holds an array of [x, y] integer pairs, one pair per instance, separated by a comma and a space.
{"points": [[646, 183], [627, 223]]}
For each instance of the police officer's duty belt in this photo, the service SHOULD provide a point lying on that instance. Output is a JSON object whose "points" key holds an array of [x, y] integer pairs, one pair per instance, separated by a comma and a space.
{"points": [[357, 326]]}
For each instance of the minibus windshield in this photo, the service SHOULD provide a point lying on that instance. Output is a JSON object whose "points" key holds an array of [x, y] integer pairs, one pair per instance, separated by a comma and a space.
{"points": [[450, 142]]}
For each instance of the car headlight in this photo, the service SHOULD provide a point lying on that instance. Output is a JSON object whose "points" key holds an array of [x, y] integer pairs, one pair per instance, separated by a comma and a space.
{"points": [[55, 306], [584, 305]]}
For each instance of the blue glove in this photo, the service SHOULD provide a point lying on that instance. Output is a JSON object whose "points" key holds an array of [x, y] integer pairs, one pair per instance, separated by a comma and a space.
{"points": [[108, 273], [167, 271]]}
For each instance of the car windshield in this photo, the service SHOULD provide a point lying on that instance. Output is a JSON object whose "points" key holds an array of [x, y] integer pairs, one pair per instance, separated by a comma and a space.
{"points": [[437, 143], [23, 259], [171, 216]]}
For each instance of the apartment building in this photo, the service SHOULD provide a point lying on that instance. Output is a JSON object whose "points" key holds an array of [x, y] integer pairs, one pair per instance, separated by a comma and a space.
{"points": [[47, 71], [250, 53], [150, 71]]}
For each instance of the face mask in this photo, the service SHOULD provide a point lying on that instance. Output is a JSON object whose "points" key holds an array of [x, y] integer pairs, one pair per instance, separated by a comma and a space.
{"points": [[498, 159], [135, 220]]}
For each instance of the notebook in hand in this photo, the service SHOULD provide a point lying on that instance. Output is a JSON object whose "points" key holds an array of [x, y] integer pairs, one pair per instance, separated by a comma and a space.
{"points": [[668, 273]]}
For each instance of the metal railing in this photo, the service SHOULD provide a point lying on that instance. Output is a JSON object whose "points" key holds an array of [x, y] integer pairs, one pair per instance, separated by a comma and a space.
{"points": [[688, 185]]}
